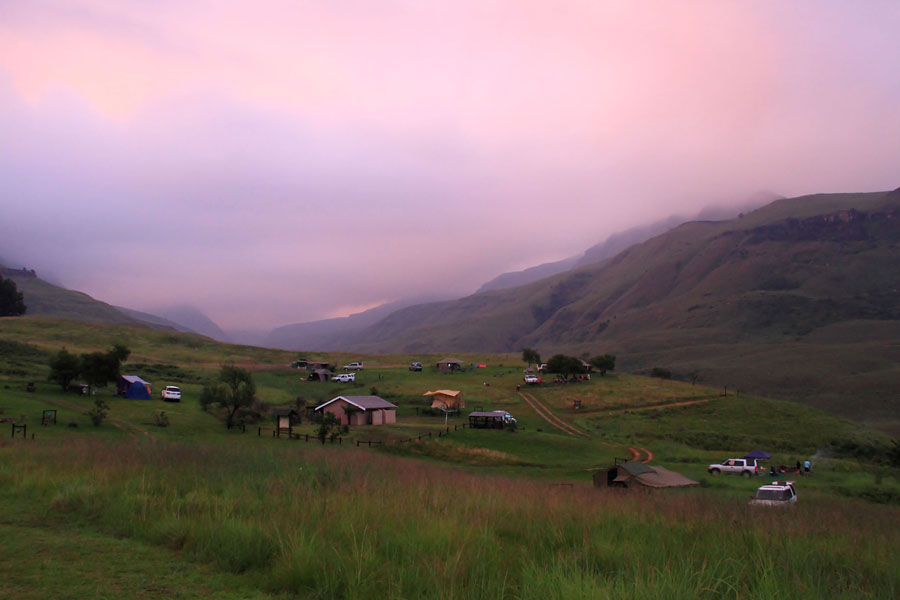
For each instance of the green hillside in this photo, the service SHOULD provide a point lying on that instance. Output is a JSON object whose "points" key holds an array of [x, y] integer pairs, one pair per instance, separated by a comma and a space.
{"points": [[47, 300], [797, 299]]}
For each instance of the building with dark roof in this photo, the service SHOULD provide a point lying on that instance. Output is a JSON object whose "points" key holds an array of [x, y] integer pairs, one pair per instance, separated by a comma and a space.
{"points": [[360, 410]]}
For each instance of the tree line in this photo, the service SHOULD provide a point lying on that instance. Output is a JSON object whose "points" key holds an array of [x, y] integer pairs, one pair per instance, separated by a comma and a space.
{"points": [[568, 366], [96, 368]]}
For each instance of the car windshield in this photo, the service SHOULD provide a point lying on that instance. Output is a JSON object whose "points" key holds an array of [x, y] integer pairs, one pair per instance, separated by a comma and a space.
{"points": [[773, 495], [172, 388]]}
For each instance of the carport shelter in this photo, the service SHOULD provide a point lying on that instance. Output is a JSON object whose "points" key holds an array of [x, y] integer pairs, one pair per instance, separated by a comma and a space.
{"points": [[487, 420], [132, 386], [446, 399], [360, 410]]}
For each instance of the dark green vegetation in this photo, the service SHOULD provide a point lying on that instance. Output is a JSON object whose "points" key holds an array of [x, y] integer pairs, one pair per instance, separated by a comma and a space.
{"points": [[210, 512], [798, 299], [232, 390], [12, 302]]}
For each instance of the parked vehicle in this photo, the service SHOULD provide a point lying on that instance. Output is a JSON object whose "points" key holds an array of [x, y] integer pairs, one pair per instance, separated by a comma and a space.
{"points": [[416, 366], [775, 494], [533, 379], [542, 367], [344, 377], [738, 466], [354, 366], [171, 393]]}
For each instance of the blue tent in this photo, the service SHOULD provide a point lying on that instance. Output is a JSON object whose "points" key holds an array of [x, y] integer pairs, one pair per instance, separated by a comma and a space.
{"points": [[758, 454], [132, 386]]}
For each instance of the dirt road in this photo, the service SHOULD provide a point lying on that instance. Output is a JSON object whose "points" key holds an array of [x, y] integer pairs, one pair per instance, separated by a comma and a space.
{"points": [[546, 414]]}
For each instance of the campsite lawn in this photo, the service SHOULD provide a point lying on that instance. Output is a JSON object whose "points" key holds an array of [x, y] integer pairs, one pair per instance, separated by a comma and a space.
{"points": [[476, 513]]}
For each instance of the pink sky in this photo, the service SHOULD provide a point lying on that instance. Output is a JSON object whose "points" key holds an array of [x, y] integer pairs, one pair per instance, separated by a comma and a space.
{"points": [[276, 162]]}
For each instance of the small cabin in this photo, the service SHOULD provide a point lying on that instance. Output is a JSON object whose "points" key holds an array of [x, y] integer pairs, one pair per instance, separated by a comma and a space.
{"points": [[360, 410]]}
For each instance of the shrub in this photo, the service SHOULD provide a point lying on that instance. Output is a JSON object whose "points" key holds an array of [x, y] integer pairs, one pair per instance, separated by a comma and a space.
{"points": [[661, 373], [98, 413]]}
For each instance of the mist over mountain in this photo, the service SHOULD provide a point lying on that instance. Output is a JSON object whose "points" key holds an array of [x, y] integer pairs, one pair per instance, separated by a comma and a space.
{"points": [[154, 319], [192, 319], [621, 240], [328, 334]]}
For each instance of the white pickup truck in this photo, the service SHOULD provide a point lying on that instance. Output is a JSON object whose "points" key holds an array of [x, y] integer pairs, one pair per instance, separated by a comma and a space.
{"points": [[738, 466], [344, 377]]}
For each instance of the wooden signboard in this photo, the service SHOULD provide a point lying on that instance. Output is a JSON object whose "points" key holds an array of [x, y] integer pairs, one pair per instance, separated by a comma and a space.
{"points": [[49, 417]]}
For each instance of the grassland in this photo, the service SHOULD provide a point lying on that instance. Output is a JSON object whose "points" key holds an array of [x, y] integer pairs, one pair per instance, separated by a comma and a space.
{"points": [[130, 509]]}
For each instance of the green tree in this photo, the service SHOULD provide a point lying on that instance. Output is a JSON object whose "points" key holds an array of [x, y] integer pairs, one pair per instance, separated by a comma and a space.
{"points": [[604, 363], [234, 390], [328, 426], [351, 410], [530, 356], [100, 368], [565, 365], [98, 413], [64, 367], [12, 302]]}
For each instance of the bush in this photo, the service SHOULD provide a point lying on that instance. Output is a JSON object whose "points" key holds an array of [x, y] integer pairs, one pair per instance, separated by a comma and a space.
{"points": [[661, 373], [98, 413]]}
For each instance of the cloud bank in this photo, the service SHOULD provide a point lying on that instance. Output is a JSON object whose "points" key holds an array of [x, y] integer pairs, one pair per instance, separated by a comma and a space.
{"points": [[292, 161]]}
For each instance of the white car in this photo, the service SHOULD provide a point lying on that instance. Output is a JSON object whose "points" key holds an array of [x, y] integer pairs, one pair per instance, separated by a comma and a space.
{"points": [[775, 494], [344, 377], [354, 366], [171, 393], [737, 466], [532, 379]]}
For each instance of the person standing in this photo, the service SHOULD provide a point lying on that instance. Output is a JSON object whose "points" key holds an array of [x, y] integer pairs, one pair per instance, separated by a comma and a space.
{"points": [[806, 465]]}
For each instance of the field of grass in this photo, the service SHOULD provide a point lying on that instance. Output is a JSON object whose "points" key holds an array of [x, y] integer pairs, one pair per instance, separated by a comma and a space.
{"points": [[207, 512]]}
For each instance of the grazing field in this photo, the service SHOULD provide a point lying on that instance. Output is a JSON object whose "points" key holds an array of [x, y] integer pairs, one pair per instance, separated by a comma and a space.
{"points": [[207, 512]]}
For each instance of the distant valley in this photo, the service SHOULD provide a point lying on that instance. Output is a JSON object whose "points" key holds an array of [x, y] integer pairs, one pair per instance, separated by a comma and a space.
{"points": [[798, 299]]}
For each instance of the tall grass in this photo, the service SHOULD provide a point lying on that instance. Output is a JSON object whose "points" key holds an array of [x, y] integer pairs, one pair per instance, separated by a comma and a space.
{"points": [[353, 524]]}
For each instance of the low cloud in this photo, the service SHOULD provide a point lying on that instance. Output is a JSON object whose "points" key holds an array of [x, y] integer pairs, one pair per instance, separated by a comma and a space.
{"points": [[340, 156]]}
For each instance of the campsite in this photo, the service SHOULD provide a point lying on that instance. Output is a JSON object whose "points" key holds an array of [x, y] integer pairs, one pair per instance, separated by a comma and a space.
{"points": [[343, 515]]}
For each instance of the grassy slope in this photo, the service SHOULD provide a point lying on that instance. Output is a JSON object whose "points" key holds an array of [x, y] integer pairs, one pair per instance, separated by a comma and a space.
{"points": [[332, 522], [44, 299]]}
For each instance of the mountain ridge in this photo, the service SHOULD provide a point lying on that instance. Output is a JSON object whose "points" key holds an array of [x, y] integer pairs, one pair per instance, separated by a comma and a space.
{"points": [[781, 277]]}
